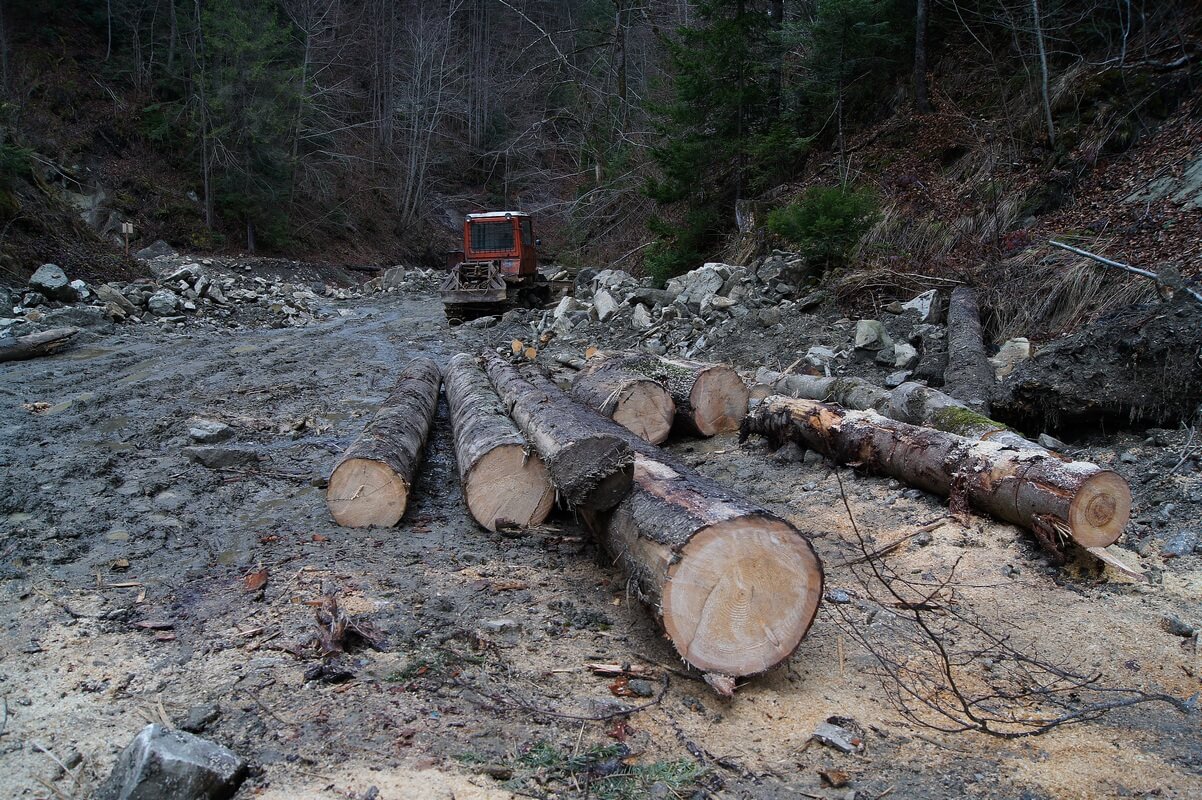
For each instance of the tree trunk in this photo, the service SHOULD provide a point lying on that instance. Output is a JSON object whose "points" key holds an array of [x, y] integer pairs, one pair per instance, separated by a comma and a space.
{"points": [[968, 376], [709, 398], [504, 483], [734, 587], [638, 403], [1057, 500], [370, 482], [922, 100], [911, 402], [589, 465], [1044, 79], [19, 348]]}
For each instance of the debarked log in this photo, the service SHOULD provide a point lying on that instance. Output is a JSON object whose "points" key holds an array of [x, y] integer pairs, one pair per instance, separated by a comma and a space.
{"points": [[504, 480], [1056, 499], [370, 482], [590, 466]]}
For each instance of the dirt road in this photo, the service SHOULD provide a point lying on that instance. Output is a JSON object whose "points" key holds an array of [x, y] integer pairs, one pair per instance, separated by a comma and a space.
{"points": [[130, 578]]}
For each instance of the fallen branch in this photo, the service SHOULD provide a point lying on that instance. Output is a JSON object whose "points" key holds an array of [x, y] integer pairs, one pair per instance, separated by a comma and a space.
{"points": [[1174, 285], [35, 345]]}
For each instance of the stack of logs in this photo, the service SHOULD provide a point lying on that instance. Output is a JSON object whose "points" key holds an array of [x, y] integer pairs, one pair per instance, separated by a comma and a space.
{"points": [[734, 587]]}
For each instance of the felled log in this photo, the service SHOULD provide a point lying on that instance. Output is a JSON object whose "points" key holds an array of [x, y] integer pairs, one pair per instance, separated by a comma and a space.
{"points": [[911, 402], [370, 482], [709, 398], [734, 587], [504, 481], [19, 348], [1058, 500], [968, 375], [636, 402], [590, 466]]}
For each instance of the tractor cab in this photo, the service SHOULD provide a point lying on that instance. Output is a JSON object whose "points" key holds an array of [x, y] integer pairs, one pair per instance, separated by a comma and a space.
{"points": [[504, 236], [497, 267]]}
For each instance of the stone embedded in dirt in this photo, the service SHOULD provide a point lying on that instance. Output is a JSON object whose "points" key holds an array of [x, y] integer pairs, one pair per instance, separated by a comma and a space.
{"points": [[841, 733], [819, 356], [652, 298], [189, 273], [871, 335], [641, 318], [161, 763], [789, 453], [500, 626], [393, 278], [163, 303], [695, 286], [1180, 544], [1009, 356], [1052, 443], [51, 281], [157, 250], [209, 431], [895, 379], [114, 297], [641, 688], [904, 355], [1176, 626], [220, 457], [81, 289], [838, 597], [566, 305], [200, 717]]}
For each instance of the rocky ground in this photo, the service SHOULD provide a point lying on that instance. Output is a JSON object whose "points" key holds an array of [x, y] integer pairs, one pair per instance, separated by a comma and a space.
{"points": [[165, 541]]}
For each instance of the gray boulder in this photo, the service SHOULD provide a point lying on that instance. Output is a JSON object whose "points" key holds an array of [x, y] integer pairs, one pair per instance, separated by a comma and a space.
{"points": [[163, 303], [156, 250], [161, 763], [394, 278], [51, 281], [871, 335]]}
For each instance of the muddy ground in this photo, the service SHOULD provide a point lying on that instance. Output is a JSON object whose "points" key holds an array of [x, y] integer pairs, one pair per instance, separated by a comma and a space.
{"points": [[130, 582]]}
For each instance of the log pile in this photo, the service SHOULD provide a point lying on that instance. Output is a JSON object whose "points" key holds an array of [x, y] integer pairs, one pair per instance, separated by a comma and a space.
{"points": [[504, 482], [370, 482], [1058, 500]]}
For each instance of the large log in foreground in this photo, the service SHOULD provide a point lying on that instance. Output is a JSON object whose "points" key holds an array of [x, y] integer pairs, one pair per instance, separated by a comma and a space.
{"points": [[636, 402], [734, 587], [1055, 499], [504, 482], [911, 402], [370, 482], [590, 463], [968, 375], [709, 398], [19, 348]]}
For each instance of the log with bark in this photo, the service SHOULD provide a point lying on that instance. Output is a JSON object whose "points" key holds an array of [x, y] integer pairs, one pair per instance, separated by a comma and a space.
{"points": [[734, 587], [910, 402], [636, 402], [1058, 500], [19, 348], [968, 375], [370, 483], [504, 481], [709, 398], [590, 466]]}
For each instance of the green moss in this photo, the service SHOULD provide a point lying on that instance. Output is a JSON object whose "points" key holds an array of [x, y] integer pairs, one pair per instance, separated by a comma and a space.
{"points": [[962, 421]]}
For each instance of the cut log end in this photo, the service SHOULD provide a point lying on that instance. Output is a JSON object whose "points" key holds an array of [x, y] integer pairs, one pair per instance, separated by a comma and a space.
{"points": [[509, 486], [719, 400], [645, 409], [1100, 510], [363, 492], [742, 595]]}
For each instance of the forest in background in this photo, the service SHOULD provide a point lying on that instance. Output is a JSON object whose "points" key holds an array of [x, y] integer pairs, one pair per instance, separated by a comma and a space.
{"points": [[651, 134]]}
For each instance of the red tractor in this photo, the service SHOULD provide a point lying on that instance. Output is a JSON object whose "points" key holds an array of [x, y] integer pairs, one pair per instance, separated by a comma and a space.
{"points": [[497, 268]]}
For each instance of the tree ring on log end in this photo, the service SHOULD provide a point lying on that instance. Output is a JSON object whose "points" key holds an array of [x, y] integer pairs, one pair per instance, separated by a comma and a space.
{"points": [[742, 595], [509, 484], [719, 400], [645, 408], [1100, 510], [365, 492]]}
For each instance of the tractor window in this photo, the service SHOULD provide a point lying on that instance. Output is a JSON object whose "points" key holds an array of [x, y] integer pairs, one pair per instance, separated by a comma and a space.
{"points": [[492, 235], [527, 238]]}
